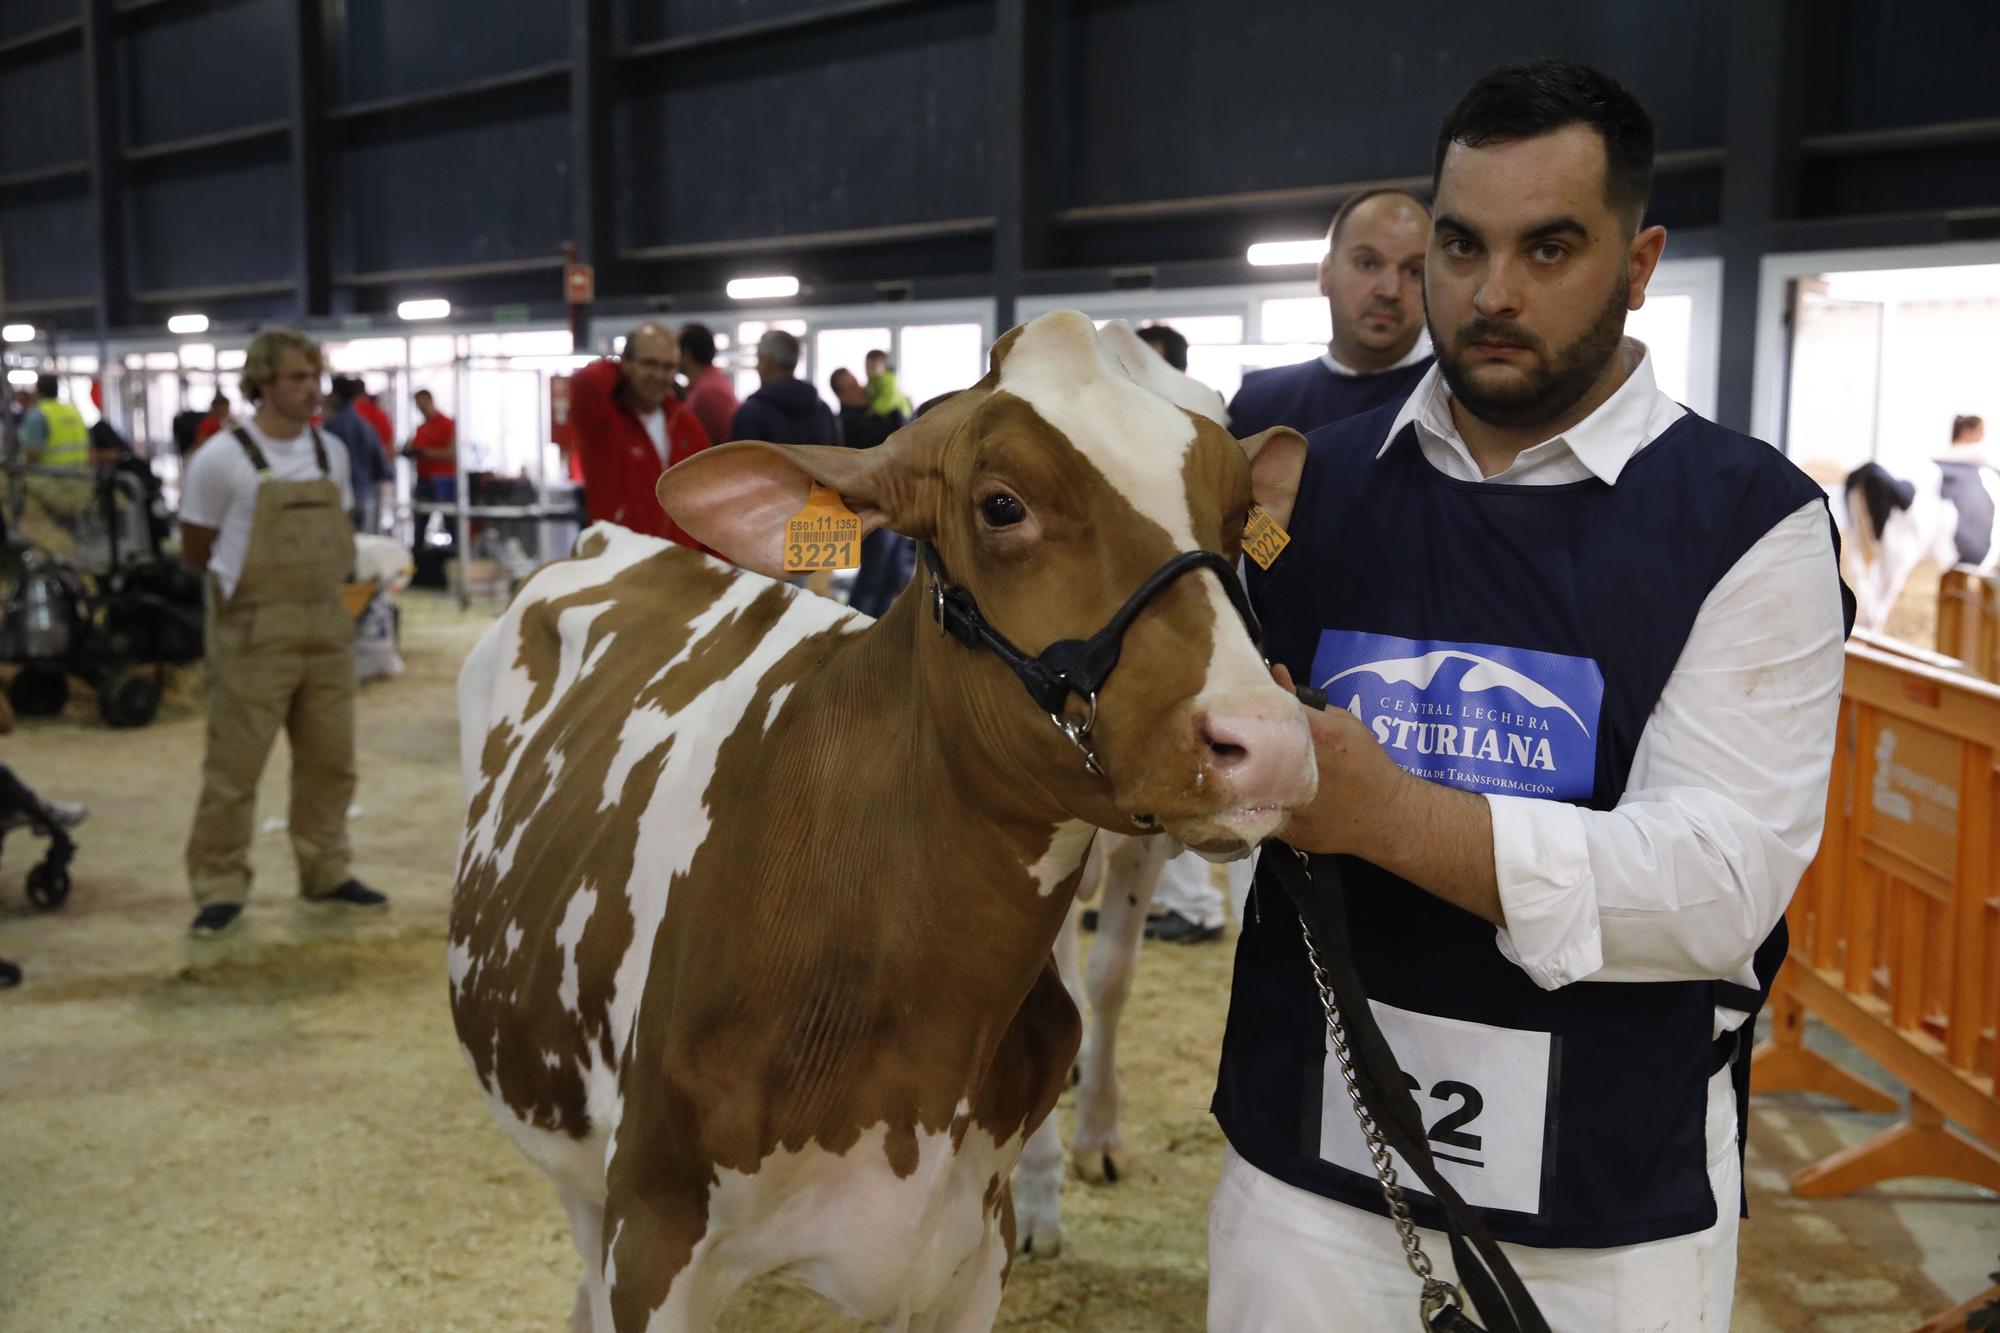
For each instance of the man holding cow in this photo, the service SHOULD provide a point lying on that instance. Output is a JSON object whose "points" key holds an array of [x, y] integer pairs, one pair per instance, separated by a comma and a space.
{"points": [[1583, 653]]}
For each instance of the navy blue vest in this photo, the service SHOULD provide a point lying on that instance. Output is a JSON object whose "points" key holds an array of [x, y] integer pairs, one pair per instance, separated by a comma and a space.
{"points": [[1307, 396], [1499, 638]]}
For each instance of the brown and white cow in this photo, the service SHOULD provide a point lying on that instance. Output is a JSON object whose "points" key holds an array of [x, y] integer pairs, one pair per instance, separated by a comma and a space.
{"points": [[750, 948]]}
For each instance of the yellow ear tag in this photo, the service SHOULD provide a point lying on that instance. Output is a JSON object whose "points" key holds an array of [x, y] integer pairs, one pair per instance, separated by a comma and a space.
{"points": [[1263, 539], [826, 534]]}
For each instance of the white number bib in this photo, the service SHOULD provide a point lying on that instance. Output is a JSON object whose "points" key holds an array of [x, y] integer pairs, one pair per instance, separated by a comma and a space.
{"points": [[1483, 1093]]}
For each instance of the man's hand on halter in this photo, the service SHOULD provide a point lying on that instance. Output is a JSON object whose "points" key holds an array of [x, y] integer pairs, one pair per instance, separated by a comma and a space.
{"points": [[1436, 837]]}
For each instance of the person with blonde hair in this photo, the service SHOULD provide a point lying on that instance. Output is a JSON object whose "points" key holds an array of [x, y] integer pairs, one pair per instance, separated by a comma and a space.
{"points": [[264, 517]]}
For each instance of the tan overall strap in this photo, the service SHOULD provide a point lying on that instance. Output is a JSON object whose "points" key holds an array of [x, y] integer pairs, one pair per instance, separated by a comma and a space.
{"points": [[263, 464], [301, 543]]}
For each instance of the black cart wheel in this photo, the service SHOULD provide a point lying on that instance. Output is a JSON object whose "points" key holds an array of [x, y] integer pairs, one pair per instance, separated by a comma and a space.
{"points": [[38, 691], [48, 886], [132, 699]]}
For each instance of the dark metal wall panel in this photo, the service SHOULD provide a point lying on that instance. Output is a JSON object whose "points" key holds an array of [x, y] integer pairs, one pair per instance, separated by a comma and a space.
{"points": [[395, 47], [651, 20], [823, 132], [46, 237], [24, 16], [1170, 98], [205, 68], [204, 228], [1883, 64], [1904, 182], [468, 193], [41, 110]]}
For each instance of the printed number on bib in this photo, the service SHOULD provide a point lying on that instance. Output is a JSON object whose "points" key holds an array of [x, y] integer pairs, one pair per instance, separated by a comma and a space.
{"points": [[1483, 1093], [826, 534]]}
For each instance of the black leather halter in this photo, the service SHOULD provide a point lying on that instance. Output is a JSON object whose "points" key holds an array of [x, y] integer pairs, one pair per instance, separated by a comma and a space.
{"points": [[1072, 666]]}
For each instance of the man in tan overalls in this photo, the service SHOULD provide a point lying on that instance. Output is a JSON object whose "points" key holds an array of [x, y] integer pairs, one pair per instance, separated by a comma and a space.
{"points": [[264, 513]]}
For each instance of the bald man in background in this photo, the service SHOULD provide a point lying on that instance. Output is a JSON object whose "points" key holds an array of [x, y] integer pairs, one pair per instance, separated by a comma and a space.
{"points": [[629, 428], [1373, 281]]}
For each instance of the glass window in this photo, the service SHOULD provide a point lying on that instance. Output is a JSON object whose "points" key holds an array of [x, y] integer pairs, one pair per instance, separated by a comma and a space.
{"points": [[837, 349], [938, 358], [365, 354], [434, 349], [1223, 330], [1666, 325], [536, 342], [1297, 319]]}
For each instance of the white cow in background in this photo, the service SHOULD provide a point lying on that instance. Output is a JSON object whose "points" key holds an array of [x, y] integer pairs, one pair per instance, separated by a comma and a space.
{"points": [[1948, 511]]}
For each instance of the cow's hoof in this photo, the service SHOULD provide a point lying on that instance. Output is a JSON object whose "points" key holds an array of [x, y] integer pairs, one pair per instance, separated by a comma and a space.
{"points": [[1100, 1166], [1043, 1241]]}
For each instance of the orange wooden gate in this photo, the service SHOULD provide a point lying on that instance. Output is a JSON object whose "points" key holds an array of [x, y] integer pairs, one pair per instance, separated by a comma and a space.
{"points": [[1896, 930], [1968, 620]]}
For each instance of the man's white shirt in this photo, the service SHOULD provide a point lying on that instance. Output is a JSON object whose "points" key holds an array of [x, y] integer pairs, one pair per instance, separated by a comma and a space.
{"points": [[219, 488], [1726, 798]]}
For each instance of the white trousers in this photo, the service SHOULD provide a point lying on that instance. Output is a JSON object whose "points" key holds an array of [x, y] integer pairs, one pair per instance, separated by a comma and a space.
{"points": [[1187, 886], [1284, 1260]]}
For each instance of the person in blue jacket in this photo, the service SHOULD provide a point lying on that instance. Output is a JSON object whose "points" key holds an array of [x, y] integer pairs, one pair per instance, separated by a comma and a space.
{"points": [[1373, 279]]}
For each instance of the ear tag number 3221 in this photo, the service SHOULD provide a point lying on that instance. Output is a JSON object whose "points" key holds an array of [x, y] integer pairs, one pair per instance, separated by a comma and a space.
{"points": [[1263, 539], [826, 534]]}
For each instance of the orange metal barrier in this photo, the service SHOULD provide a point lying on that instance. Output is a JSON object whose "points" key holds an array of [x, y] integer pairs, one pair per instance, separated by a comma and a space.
{"points": [[1968, 620], [1895, 928]]}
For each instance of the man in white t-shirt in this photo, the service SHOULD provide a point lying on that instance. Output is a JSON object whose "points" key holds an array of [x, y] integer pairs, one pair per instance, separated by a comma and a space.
{"points": [[264, 512]]}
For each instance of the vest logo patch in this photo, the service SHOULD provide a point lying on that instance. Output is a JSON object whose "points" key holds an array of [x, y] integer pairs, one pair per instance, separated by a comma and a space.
{"points": [[1476, 716]]}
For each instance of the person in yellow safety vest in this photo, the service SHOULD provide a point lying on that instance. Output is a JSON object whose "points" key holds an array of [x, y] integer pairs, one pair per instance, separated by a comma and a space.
{"points": [[52, 432]]}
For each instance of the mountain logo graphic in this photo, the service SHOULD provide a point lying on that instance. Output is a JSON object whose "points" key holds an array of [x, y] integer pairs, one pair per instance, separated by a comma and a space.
{"points": [[1483, 674]]}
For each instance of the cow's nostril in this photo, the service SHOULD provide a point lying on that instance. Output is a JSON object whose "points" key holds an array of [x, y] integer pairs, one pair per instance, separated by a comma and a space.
{"points": [[1225, 747]]}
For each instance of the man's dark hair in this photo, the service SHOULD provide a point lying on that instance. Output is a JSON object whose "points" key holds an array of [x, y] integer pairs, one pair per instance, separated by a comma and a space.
{"points": [[345, 389], [878, 352], [1964, 426], [1354, 201], [698, 344], [47, 386], [1168, 342], [421, 393], [1540, 97]]}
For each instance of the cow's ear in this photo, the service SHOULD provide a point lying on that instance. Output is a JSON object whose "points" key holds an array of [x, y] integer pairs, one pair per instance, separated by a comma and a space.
{"points": [[1277, 459], [735, 498]]}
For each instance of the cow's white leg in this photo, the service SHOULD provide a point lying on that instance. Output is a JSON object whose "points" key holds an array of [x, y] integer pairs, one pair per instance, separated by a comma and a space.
{"points": [[592, 1312], [1038, 1184], [1038, 1177], [1066, 942], [1132, 875], [970, 1302]]}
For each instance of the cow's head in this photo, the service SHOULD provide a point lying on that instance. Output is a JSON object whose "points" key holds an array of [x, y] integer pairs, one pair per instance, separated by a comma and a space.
{"points": [[1051, 490]]}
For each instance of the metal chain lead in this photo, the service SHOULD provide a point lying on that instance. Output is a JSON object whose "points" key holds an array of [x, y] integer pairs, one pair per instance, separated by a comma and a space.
{"points": [[1437, 1293]]}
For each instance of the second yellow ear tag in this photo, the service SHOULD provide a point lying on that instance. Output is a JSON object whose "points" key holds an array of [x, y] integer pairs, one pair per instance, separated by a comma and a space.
{"points": [[826, 534], [1263, 539]]}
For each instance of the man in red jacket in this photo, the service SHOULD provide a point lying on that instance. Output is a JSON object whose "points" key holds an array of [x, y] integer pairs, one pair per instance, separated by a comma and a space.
{"points": [[629, 428], [371, 412]]}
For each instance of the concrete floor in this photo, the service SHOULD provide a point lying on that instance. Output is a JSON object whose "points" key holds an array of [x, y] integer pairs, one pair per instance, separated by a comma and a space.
{"points": [[106, 1017]]}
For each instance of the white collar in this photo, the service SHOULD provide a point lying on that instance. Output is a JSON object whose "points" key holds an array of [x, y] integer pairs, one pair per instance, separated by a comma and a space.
{"points": [[1420, 349], [1604, 442]]}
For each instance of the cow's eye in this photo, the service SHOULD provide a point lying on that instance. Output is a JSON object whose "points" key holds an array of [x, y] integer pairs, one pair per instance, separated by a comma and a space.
{"points": [[1002, 510]]}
